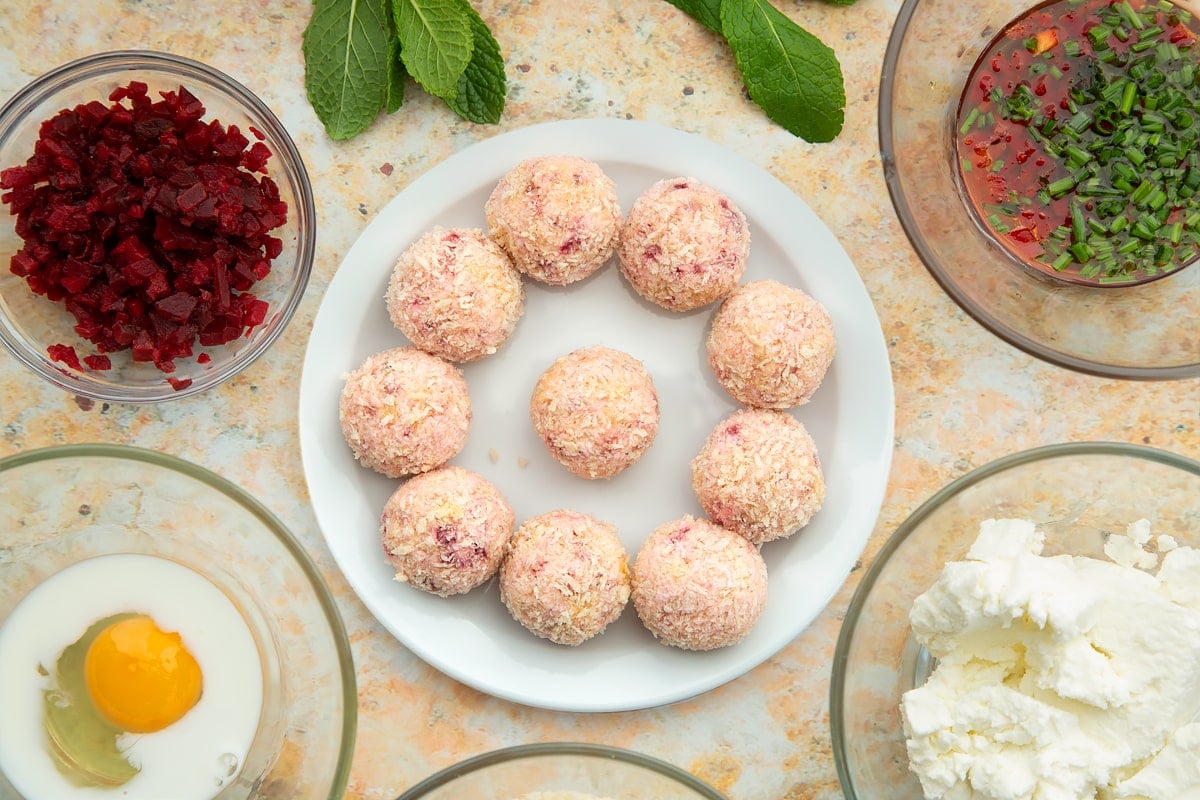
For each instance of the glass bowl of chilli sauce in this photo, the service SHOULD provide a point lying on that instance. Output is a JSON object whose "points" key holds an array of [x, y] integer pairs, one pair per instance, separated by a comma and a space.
{"points": [[1043, 161], [157, 226]]}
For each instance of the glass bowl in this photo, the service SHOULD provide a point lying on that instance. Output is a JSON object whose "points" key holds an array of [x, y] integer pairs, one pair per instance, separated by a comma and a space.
{"points": [[69, 503], [562, 771], [1078, 493], [1147, 331], [30, 323]]}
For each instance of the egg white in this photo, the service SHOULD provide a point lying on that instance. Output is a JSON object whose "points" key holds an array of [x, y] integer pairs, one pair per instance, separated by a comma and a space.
{"points": [[189, 760]]}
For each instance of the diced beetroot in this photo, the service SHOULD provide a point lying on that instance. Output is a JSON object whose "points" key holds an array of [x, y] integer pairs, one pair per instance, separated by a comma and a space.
{"points": [[64, 354], [255, 159], [148, 223], [176, 307]]}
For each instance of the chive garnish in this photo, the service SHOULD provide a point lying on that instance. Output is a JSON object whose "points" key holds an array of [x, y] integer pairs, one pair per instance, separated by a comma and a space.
{"points": [[1121, 143]]}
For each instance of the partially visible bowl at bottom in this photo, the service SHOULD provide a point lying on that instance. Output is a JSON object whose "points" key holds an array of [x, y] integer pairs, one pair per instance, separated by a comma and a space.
{"points": [[562, 771], [1077, 493], [63, 506]]}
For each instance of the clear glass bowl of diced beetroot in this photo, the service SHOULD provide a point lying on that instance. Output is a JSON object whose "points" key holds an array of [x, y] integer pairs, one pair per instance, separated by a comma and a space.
{"points": [[156, 226]]}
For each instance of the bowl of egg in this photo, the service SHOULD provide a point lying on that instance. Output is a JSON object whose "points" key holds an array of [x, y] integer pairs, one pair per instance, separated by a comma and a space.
{"points": [[562, 771], [162, 635], [1042, 159], [1031, 630]]}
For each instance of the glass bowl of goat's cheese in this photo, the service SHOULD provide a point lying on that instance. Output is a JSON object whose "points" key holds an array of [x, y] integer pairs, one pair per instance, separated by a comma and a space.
{"points": [[1032, 630]]}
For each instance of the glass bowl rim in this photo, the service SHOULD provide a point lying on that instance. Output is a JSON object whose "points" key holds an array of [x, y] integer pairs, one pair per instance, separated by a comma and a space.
{"points": [[517, 752], [837, 683], [15, 110], [990, 323], [340, 779]]}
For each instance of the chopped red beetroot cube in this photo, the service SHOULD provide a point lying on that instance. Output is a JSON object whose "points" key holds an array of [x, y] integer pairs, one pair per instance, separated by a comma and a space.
{"points": [[176, 307], [64, 354], [148, 223]]}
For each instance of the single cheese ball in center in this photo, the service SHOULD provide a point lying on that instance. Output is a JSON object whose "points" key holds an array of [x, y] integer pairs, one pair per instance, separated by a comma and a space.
{"points": [[445, 531], [557, 217], [404, 411], [698, 586], [758, 474], [455, 293], [565, 577], [683, 244], [596, 410]]}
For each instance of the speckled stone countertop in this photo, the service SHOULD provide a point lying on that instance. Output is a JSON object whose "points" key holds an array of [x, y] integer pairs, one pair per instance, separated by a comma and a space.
{"points": [[963, 397]]}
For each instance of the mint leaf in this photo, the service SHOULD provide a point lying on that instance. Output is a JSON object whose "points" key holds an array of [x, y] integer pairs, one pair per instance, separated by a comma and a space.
{"points": [[346, 46], [397, 75], [435, 43], [482, 86], [707, 12], [790, 73]]}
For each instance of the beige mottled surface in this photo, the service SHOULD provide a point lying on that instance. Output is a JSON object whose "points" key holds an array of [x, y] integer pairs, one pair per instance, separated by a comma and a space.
{"points": [[963, 397]]}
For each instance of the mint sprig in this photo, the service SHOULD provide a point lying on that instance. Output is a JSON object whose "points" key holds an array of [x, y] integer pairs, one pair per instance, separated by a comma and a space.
{"points": [[358, 55], [790, 73], [346, 63]]}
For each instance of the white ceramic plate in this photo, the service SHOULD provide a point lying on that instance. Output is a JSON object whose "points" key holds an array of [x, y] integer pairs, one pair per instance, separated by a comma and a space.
{"points": [[471, 637]]}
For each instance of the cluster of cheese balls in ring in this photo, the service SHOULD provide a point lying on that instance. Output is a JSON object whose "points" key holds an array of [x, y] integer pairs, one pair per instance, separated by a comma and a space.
{"points": [[457, 294]]}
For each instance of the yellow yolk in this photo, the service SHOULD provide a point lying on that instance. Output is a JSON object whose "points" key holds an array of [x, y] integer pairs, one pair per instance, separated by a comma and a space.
{"points": [[139, 677]]}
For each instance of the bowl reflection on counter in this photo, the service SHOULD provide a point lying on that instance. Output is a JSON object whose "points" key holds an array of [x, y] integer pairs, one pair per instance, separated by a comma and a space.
{"points": [[1077, 493], [1149, 331]]}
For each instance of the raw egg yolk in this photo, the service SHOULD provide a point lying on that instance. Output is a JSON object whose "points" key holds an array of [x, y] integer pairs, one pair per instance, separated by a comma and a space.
{"points": [[139, 677]]}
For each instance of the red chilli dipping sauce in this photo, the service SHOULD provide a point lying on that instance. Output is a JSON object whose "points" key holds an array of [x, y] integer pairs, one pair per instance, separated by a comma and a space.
{"points": [[1076, 140]]}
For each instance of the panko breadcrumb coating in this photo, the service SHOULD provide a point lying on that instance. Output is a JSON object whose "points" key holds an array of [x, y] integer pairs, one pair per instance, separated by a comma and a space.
{"points": [[684, 244], [455, 293], [445, 532], [565, 576], [758, 475], [770, 345], [557, 217], [596, 410], [698, 586], [404, 411]]}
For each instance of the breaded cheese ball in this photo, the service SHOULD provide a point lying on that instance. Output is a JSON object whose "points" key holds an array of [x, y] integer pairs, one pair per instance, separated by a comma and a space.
{"points": [[445, 532], [455, 293], [698, 586], [684, 244], [758, 475], [404, 411], [557, 217], [770, 345], [565, 576], [596, 410]]}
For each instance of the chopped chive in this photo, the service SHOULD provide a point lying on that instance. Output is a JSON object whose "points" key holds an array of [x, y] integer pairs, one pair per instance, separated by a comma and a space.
{"points": [[966, 126]]}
